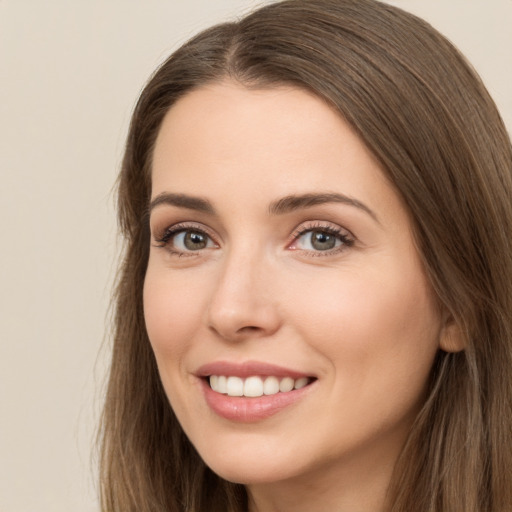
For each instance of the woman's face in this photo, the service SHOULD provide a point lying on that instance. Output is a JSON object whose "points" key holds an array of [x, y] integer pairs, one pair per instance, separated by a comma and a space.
{"points": [[281, 257]]}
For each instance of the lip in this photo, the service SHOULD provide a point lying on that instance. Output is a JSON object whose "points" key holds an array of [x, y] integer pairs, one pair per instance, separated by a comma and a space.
{"points": [[248, 369], [250, 409]]}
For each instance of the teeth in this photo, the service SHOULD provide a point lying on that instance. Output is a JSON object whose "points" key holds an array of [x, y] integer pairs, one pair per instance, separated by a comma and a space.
{"points": [[286, 384], [255, 386], [235, 386], [300, 383], [222, 384], [271, 386]]}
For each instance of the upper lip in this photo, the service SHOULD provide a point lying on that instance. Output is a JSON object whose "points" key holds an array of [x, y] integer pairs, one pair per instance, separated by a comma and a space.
{"points": [[248, 369]]}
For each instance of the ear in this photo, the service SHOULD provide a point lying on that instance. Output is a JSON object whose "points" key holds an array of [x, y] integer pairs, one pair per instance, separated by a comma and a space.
{"points": [[451, 338]]}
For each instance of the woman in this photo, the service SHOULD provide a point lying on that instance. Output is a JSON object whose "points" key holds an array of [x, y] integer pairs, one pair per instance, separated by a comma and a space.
{"points": [[313, 310]]}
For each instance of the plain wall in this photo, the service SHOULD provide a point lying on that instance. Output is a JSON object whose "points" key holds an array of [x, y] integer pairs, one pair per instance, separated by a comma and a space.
{"points": [[70, 73]]}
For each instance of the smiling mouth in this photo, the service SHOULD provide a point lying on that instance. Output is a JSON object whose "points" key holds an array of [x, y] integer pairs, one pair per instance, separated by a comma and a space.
{"points": [[256, 386]]}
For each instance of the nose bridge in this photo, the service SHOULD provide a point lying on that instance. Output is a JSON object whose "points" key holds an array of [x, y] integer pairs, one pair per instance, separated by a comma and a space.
{"points": [[242, 302]]}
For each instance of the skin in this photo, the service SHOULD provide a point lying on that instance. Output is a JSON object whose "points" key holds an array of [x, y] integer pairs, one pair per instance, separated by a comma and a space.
{"points": [[361, 317]]}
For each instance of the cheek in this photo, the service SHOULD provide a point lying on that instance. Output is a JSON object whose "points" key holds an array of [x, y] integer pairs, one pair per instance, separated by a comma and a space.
{"points": [[172, 311], [380, 325], [378, 340]]}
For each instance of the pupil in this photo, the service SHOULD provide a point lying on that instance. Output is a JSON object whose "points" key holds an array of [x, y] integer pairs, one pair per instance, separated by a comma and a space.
{"points": [[322, 241], [194, 241]]}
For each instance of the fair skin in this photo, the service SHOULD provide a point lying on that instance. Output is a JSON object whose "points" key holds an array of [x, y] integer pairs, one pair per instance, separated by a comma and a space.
{"points": [[328, 287]]}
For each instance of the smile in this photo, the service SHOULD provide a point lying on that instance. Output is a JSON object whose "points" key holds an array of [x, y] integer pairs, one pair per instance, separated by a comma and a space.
{"points": [[255, 386], [252, 391]]}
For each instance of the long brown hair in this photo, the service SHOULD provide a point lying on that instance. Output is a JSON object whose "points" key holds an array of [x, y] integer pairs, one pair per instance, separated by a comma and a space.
{"points": [[427, 117]]}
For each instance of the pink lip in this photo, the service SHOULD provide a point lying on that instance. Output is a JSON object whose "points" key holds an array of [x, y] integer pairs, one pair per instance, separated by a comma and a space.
{"points": [[248, 369], [245, 409], [249, 410]]}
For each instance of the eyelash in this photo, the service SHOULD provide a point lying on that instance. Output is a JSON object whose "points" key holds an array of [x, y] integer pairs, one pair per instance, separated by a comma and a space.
{"points": [[163, 240], [342, 235]]}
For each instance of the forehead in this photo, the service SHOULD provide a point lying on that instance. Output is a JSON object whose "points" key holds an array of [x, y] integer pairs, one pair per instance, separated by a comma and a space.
{"points": [[244, 149], [222, 116]]}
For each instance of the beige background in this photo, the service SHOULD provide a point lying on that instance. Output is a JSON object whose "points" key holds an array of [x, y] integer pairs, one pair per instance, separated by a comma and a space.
{"points": [[70, 72]]}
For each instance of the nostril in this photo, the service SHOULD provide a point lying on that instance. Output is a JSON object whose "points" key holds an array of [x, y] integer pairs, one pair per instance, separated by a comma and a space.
{"points": [[249, 328], [245, 320]]}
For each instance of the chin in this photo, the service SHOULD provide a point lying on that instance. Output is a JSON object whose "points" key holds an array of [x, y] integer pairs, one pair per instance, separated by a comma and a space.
{"points": [[249, 475], [250, 469]]}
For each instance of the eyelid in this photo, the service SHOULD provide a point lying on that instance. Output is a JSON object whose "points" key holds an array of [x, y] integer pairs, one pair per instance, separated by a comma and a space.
{"points": [[312, 225], [347, 238], [162, 237], [160, 233]]}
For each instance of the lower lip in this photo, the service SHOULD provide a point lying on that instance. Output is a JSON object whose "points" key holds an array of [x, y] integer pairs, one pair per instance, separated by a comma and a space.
{"points": [[248, 410]]}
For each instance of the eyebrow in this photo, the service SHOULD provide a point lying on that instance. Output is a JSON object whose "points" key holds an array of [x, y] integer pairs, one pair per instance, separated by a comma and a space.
{"points": [[296, 202], [182, 201], [281, 206]]}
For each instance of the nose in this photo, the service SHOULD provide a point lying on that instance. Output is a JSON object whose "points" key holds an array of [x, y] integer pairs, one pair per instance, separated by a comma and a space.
{"points": [[244, 303]]}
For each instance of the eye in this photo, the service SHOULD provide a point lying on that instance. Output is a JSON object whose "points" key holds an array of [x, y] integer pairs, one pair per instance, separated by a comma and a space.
{"points": [[183, 240], [322, 239], [191, 240]]}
